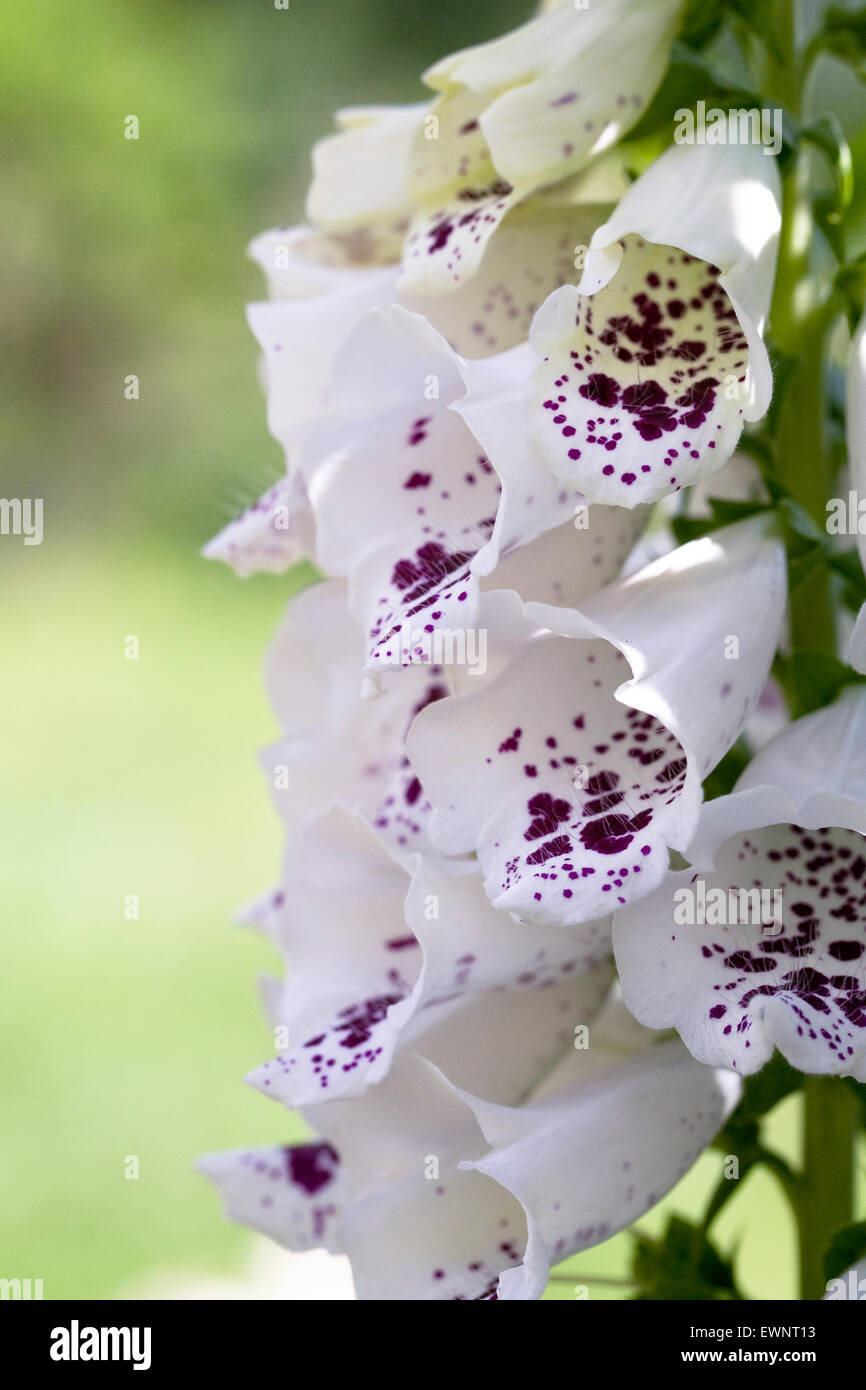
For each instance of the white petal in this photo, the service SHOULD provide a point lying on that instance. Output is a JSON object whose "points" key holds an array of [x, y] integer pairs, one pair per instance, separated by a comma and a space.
{"points": [[448, 1233], [271, 535], [722, 205], [533, 501], [654, 363], [402, 493], [532, 253], [359, 174], [595, 1149], [816, 763], [264, 913], [770, 716], [406, 483], [587, 1161], [289, 1194], [456, 269], [304, 263], [564, 566], [300, 338], [500, 765], [739, 987], [448, 1240], [459, 198], [532, 256], [587, 1156], [350, 958], [524, 112], [365, 975], [699, 627], [337, 747], [739, 481], [446, 1237], [613, 1037], [561, 87], [782, 967], [497, 1002]]}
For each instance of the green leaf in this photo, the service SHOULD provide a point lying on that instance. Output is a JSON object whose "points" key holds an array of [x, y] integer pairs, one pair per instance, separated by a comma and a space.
{"points": [[759, 448], [742, 1133], [691, 528], [724, 775], [764, 1090], [806, 544], [812, 680], [802, 565], [727, 511], [826, 134], [846, 563], [702, 22], [851, 283], [860, 1092], [784, 370], [847, 1248], [683, 1265], [724, 511], [688, 80], [800, 522], [844, 35], [759, 18]]}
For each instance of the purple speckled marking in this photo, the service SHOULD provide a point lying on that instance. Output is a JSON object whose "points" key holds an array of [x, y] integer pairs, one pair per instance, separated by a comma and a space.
{"points": [[637, 385], [311, 1166], [821, 876]]}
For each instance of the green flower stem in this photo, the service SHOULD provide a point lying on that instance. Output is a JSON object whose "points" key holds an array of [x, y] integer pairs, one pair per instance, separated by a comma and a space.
{"points": [[803, 468], [825, 1191], [822, 1196], [801, 317], [781, 75], [822, 1193]]}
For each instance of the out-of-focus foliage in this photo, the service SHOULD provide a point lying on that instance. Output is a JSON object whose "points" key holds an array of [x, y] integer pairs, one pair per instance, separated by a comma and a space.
{"points": [[127, 256]]}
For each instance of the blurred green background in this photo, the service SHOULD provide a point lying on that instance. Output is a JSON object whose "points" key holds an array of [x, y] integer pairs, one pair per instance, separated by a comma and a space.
{"points": [[130, 1037]]}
